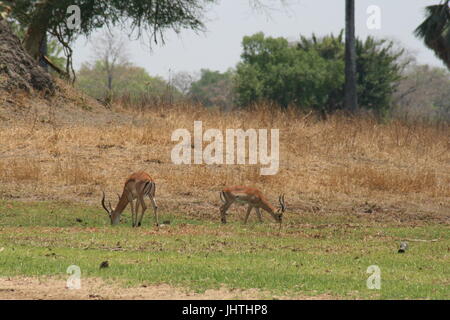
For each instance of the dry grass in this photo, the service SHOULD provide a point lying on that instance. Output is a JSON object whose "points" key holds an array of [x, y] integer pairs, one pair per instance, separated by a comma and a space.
{"points": [[326, 164]]}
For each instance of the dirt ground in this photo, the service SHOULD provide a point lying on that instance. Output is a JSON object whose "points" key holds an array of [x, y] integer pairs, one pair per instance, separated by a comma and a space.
{"points": [[49, 288]]}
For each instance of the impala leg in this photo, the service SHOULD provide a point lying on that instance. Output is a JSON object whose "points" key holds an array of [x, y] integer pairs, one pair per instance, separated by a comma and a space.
{"points": [[133, 212], [223, 211], [248, 213], [258, 212], [155, 209], [144, 207]]}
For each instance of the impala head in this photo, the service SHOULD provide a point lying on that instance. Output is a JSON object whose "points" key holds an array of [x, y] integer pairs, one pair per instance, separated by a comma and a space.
{"points": [[281, 209], [113, 216]]}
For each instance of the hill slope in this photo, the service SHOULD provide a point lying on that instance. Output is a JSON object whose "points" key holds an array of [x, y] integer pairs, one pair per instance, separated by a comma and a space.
{"points": [[29, 93]]}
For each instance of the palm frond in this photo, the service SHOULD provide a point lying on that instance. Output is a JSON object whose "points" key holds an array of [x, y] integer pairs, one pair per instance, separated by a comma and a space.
{"points": [[435, 30]]}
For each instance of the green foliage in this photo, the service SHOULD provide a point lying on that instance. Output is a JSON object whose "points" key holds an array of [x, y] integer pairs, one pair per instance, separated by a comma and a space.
{"points": [[18, 29], [310, 73], [152, 17], [128, 80], [213, 88], [378, 72], [54, 52]]}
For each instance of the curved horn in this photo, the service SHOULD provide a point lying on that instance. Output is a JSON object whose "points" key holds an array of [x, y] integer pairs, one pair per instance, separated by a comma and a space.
{"points": [[282, 204], [103, 203]]}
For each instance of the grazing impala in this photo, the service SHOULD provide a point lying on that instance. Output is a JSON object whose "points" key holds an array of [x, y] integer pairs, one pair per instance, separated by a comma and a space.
{"points": [[137, 186], [254, 198]]}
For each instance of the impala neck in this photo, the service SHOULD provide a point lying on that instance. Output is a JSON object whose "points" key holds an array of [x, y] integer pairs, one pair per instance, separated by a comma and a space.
{"points": [[270, 209], [123, 202]]}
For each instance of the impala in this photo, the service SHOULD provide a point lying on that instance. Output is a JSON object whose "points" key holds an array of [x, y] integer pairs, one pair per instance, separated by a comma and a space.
{"points": [[254, 198], [137, 186]]}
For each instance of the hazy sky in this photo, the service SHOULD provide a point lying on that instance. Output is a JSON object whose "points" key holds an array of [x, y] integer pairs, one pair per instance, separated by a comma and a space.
{"points": [[219, 48]]}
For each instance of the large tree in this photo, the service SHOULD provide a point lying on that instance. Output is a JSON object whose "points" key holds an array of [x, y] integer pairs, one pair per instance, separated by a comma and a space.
{"points": [[435, 30], [111, 50], [139, 17], [310, 73]]}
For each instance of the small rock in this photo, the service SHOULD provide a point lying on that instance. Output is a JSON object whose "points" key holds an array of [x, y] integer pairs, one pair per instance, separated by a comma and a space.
{"points": [[403, 247]]}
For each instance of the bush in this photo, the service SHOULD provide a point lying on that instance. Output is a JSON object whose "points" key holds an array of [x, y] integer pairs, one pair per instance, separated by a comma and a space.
{"points": [[213, 89], [310, 73]]}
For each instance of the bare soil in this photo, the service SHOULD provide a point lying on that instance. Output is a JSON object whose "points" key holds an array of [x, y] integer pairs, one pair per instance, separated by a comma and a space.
{"points": [[50, 288]]}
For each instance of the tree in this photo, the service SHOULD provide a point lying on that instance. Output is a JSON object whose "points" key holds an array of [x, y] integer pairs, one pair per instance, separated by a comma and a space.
{"points": [[54, 49], [213, 89], [111, 51], [423, 93], [183, 81], [380, 65], [351, 98], [149, 17], [129, 80], [435, 30], [310, 73]]}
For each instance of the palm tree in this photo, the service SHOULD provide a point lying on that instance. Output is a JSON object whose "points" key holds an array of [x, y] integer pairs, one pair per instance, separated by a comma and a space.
{"points": [[435, 30], [351, 100]]}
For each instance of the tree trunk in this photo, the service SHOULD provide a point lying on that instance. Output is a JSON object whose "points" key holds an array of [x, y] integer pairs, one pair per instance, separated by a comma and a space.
{"points": [[351, 100], [110, 80], [43, 49], [37, 29]]}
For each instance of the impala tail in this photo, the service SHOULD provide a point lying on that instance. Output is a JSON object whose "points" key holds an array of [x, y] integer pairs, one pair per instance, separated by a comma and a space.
{"points": [[222, 196], [281, 209]]}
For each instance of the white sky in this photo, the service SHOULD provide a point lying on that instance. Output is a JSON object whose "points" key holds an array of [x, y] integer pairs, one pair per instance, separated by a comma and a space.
{"points": [[219, 48]]}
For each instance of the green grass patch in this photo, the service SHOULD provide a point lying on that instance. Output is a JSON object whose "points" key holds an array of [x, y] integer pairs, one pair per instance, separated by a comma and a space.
{"points": [[315, 258]]}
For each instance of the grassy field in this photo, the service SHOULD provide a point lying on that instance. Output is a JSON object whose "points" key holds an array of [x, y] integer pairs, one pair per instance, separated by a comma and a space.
{"points": [[354, 189], [312, 254]]}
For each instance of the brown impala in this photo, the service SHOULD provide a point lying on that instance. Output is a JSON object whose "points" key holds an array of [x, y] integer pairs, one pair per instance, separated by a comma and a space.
{"points": [[137, 186], [254, 198]]}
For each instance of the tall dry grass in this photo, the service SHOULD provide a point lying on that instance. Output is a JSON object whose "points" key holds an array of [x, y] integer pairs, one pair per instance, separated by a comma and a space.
{"points": [[326, 163]]}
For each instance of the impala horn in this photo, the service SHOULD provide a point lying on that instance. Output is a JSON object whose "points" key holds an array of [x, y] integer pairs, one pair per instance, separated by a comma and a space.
{"points": [[104, 206], [282, 203], [282, 207]]}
